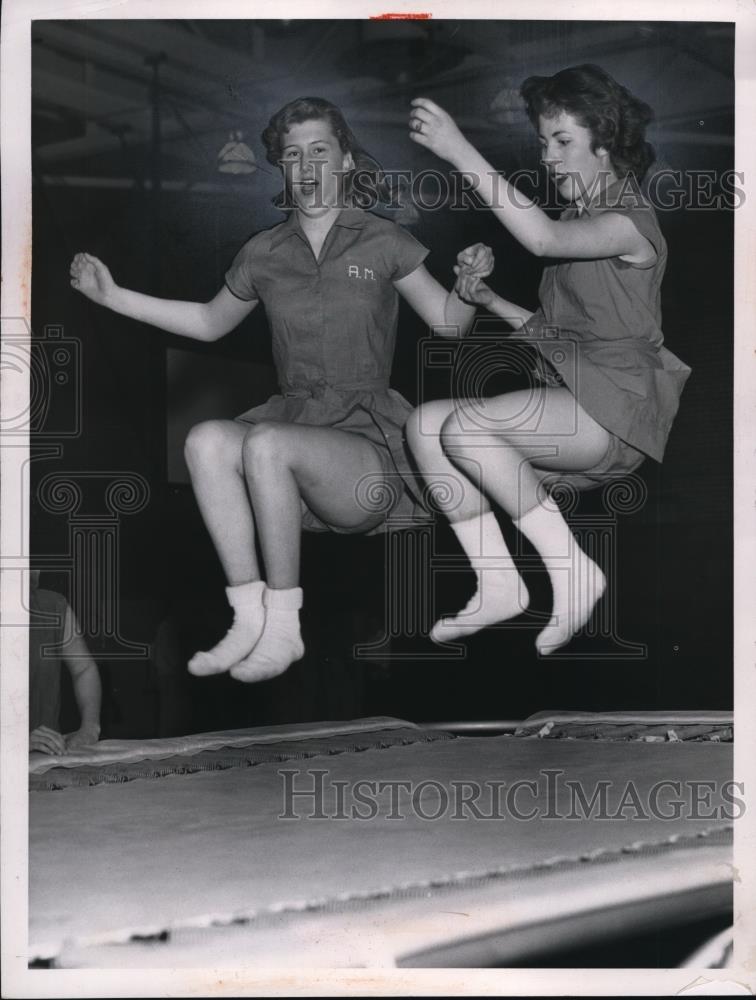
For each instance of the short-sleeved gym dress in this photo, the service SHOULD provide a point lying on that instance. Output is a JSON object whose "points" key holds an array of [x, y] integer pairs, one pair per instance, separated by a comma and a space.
{"points": [[598, 327], [333, 322]]}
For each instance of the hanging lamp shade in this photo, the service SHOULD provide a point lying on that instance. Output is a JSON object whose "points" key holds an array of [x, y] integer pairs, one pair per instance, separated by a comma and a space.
{"points": [[236, 157], [507, 106]]}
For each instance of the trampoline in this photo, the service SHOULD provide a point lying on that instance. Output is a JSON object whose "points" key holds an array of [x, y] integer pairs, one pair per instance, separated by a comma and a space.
{"points": [[381, 843]]}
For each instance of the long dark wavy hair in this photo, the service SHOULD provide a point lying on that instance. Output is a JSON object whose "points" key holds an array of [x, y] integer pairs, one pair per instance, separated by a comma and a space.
{"points": [[364, 186], [615, 118]]}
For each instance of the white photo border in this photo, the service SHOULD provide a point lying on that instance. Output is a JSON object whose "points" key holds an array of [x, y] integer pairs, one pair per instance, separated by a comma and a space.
{"points": [[15, 147]]}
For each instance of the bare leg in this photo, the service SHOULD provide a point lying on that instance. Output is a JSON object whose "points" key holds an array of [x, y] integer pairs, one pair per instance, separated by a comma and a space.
{"points": [[214, 457], [213, 453], [285, 464], [509, 457], [500, 593], [452, 492], [521, 438]]}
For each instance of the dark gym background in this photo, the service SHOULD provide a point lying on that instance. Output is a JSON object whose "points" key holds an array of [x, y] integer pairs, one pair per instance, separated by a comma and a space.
{"points": [[128, 121]]}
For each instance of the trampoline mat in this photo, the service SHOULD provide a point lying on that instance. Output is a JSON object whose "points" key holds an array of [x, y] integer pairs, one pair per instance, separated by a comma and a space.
{"points": [[112, 863], [244, 752]]}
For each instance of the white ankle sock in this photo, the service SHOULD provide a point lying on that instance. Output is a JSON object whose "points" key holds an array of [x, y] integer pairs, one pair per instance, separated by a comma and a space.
{"points": [[249, 617], [280, 643], [577, 582], [500, 594]]}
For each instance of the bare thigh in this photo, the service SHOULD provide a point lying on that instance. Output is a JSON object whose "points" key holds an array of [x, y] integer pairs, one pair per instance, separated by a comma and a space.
{"points": [[334, 471], [546, 425]]}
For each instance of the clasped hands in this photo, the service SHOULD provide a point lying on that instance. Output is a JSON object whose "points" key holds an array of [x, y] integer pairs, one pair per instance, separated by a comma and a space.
{"points": [[474, 263]]}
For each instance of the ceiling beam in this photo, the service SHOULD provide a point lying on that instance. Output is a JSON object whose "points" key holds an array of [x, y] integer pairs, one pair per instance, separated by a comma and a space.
{"points": [[123, 61], [137, 134], [89, 102], [198, 125], [197, 55], [225, 186], [673, 138]]}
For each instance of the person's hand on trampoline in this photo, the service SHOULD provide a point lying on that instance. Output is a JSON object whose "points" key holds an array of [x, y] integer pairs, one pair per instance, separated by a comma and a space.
{"points": [[92, 278], [46, 740]]}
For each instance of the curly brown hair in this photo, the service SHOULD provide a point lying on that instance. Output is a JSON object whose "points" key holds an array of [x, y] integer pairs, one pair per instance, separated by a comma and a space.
{"points": [[615, 118], [371, 187]]}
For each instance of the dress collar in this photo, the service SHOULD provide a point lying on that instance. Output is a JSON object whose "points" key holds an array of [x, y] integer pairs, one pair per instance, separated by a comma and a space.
{"points": [[348, 218]]}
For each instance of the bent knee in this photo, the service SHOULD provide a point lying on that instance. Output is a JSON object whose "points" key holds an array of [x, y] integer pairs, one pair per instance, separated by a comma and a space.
{"points": [[452, 434], [424, 425], [265, 442], [209, 442]]}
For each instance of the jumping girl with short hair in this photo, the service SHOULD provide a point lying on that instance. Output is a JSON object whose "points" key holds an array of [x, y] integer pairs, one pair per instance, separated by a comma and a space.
{"points": [[328, 277], [607, 389]]}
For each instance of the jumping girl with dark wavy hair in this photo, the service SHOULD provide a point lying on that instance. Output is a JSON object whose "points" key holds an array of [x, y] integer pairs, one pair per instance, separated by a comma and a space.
{"points": [[606, 390], [329, 278]]}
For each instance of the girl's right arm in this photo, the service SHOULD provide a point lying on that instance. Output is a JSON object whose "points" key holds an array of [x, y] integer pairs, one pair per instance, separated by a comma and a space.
{"points": [[606, 234], [516, 316], [470, 288], [197, 320]]}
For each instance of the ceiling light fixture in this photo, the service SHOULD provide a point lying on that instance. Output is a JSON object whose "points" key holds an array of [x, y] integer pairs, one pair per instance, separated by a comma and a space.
{"points": [[236, 157]]}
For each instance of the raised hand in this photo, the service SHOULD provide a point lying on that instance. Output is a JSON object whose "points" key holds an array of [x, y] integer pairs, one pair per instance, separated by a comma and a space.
{"points": [[434, 128], [92, 278], [478, 259]]}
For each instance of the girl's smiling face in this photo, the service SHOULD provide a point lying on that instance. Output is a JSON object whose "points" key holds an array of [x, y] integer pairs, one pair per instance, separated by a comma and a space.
{"points": [[314, 165], [577, 170]]}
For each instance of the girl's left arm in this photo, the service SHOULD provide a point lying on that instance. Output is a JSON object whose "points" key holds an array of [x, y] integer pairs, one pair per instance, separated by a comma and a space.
{"points": [[444, 311], [608, 234], [86, 686]]}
